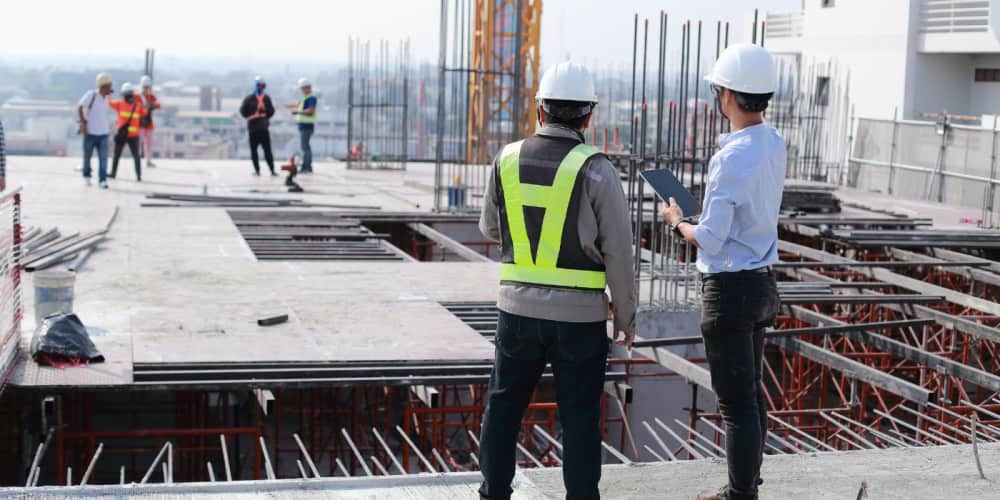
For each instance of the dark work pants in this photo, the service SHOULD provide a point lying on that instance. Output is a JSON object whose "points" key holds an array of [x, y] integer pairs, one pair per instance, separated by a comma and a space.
{"points": [[261, 138], [133, 147], [578, 353], [736, 309]]}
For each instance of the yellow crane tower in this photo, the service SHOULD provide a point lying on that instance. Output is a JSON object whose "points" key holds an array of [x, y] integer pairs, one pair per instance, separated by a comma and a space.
{"points": [[503, 75]]}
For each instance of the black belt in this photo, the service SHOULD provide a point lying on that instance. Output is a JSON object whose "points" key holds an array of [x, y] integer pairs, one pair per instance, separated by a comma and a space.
{"points": [[759, 270]]}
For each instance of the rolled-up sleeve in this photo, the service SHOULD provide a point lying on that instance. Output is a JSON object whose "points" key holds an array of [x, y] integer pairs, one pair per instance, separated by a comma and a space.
{"points": [[489, 219], [723, 195]]}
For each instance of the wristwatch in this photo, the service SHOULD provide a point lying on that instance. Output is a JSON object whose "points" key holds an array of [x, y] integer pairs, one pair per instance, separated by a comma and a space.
{"points": [[689, 219]]}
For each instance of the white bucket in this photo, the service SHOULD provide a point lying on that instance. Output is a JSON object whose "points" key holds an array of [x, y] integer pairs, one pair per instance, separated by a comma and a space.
{"points": [[53, 293]]}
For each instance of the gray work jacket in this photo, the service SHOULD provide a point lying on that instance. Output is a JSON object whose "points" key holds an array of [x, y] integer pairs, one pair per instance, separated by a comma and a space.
{"points": [[605, 231]]}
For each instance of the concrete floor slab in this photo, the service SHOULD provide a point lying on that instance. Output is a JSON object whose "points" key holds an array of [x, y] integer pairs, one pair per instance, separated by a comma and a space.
{"points": [[180, 285]]}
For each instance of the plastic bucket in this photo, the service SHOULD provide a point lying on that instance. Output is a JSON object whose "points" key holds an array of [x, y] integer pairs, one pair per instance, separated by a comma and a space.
{"points": [[53, 293]]}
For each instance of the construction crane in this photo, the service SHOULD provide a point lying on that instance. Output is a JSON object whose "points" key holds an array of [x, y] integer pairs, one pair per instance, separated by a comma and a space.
{"points": [[503, 74]]}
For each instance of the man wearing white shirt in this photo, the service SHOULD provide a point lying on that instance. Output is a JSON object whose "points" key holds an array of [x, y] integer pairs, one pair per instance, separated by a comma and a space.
{"points": [[737, 240], [93, 111]]}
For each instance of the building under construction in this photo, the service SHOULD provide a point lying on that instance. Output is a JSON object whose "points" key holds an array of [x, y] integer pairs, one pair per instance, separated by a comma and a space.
{"points": [[337, 343]]}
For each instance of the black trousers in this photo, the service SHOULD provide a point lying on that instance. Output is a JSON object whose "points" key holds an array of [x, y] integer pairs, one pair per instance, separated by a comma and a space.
{"points": [[578, 354], [261, 138], [133, 147], [736, 309]]}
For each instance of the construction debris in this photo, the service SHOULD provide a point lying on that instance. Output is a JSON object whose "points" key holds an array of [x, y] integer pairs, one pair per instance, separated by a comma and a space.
{"points": [[272, 320]]}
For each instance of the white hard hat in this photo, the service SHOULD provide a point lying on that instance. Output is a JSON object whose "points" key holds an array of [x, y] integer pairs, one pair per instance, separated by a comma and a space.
{"points": [[567, 81], [145, 81], [127, 88], [304, 83], [259, 80], [103, 79], [745, 68]]}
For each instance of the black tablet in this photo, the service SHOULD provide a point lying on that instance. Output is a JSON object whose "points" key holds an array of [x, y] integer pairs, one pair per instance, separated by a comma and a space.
{"points": [[666, 186]]}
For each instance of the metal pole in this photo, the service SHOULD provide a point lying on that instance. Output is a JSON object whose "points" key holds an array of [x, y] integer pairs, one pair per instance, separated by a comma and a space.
{"points": [[90, 466], [991, 185], [350, 118], [442, 61], [388, 451], [305, 454], [267, 459], [225, 458], [357, 454], [405, 130], [152, 466], [416, 450], [892, 149]]}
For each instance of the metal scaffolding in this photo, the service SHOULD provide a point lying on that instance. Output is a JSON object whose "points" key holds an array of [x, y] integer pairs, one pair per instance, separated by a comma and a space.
{"points": [[378, 105]]}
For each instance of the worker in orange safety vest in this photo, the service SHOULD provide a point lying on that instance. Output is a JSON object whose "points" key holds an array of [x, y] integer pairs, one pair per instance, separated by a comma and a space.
{"points": [[129, 110]]}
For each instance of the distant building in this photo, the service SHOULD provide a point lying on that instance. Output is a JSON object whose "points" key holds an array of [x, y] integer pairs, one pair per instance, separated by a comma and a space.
{"points": [[39, 127], [915, 56], [200, 134]]}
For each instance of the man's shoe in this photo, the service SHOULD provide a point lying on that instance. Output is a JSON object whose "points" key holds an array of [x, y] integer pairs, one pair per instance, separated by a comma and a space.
{"points": [[111, 176], [722, 494], [274, 174], [150, 164], [256, 174], [103, 184], [86, 181]]}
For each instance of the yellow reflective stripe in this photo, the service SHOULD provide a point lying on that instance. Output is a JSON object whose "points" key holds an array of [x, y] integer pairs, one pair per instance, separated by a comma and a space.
{"points": [[555, 200], [534, 195], [555, 211], [572, 278], [126, 114], [301, 118], [510, 179]]}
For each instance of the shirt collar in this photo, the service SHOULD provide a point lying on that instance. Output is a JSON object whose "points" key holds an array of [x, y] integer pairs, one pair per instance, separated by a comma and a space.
{"points": [[557, 130], [725, 139]]}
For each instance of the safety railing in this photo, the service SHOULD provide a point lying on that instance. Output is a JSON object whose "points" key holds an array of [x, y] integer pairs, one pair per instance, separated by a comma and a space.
{"points": [[933, 161], [955, 16]]}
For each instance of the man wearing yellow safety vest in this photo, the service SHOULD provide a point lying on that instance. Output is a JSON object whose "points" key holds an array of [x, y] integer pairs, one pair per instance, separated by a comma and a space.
{"points": [[305, 117], [558, 209]]}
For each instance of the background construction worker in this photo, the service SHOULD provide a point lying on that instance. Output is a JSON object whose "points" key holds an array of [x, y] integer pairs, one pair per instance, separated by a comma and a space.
{"points": [[558, 209], [305, 117], [129, 109], [258, 110], [92, 113], [150, 103], [737, 240]]}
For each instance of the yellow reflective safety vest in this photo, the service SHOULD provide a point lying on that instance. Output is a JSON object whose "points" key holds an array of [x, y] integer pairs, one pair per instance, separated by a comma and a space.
{"points": [[308, 119], [542, 267]]}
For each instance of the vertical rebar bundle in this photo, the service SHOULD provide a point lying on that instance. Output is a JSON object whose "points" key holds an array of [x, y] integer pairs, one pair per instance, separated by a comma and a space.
{"points": [[488, 75], [378, 105], [676, 125]]}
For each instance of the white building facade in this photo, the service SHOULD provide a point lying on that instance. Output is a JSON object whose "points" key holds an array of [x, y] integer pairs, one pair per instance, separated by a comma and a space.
{"points": [[915, 57]]}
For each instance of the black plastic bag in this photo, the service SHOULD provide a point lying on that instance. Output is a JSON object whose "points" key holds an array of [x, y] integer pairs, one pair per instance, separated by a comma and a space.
{"points": [[63, 338]]}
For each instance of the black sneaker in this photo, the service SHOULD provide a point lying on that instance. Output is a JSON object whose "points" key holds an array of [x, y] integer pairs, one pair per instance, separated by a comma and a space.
{"points": [[274, 174], [256, 174]]}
